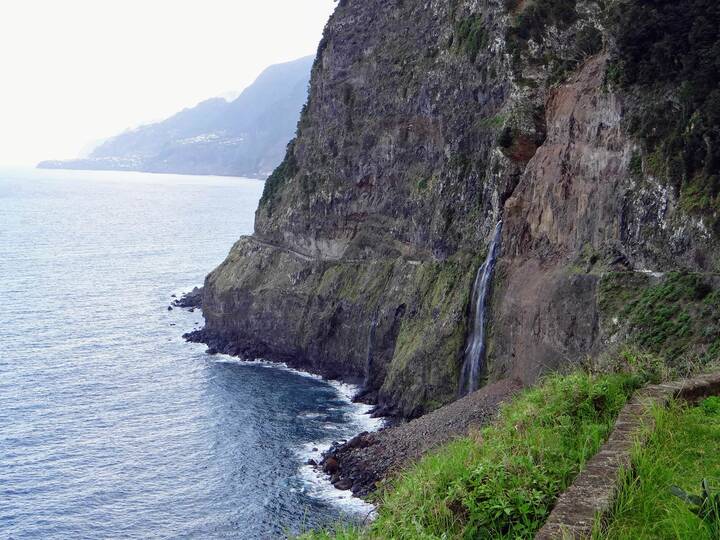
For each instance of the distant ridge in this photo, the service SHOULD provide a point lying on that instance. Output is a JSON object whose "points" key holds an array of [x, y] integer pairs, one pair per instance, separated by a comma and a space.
{"points": [[243, 137]]}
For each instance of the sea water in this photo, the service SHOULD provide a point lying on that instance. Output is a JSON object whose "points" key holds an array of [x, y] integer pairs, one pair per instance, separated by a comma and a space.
{"points": [[111, 426]]}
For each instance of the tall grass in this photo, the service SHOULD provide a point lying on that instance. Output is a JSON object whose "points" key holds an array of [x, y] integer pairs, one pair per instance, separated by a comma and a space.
{"points": [[503, 481], [684, 449]]}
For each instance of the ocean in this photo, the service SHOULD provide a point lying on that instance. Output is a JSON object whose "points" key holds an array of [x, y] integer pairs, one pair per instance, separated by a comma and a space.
{"points": [[111, 426]]}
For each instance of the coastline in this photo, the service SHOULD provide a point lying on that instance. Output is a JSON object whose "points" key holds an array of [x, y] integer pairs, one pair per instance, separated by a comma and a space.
{"points": [[218, 344], [317, 481], [351, 468]]}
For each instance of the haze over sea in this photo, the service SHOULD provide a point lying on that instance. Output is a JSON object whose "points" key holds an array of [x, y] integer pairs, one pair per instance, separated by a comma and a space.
{"points": [[111, 426]]}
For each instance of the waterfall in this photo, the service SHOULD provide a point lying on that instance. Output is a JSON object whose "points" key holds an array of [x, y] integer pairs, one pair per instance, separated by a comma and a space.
{"points": [[475, 349], [370, 347]]}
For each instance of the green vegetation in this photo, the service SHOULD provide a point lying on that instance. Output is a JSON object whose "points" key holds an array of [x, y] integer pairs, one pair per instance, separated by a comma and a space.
{"points": [[286, 170], [530, 23], [470, 36], [706, 506], [677, 319], [440, 294], [636, 165], [493, 122], [356, 283], [682, 451], [503, 481], [669, 52]]}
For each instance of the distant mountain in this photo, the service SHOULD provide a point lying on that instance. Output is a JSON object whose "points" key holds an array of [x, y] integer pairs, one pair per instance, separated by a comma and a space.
{"points": [[243, 137]]}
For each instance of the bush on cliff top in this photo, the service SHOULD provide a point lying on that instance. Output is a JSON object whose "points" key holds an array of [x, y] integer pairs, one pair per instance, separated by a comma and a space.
{"points": [[503, 482], [669, 52], [286, 170]]}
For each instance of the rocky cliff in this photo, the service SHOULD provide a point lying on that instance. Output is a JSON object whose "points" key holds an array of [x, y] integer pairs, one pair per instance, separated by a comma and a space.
{"points": [[427, 123]]}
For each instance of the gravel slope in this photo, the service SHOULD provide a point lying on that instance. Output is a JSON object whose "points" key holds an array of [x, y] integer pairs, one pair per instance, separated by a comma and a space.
{"points": [[370, 457]]}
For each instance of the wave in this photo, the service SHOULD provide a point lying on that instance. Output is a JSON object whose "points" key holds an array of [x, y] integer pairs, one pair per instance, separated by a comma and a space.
{"points": [[316, 483]]}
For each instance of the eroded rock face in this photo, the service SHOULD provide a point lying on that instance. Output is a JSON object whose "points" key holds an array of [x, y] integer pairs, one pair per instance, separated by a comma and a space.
{"points": [[576, 212], [364, 320], [568, 200], [425, 125], [393, 152]]}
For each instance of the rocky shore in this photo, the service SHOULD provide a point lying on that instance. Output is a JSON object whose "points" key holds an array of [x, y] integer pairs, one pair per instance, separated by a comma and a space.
{"points": [[218, 343], [190, 300], [370, 458]]}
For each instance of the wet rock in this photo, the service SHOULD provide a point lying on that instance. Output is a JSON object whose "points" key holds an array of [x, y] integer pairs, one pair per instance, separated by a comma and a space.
{"points": [[211, 351], [371, 457], [191, 300], [343, 484], [330, 465]]}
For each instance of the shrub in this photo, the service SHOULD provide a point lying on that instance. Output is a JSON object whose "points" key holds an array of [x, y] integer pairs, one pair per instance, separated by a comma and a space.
{"points": [[674, 47], [470, 36], [286, 170], [675, 319]]}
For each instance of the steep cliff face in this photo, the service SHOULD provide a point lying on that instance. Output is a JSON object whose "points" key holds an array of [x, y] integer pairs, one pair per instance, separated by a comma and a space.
{"points": [[369, 235], [591, 203], [427, 123]]}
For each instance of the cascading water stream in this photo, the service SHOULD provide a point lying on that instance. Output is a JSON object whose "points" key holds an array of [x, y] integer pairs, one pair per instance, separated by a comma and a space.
{"points": [[475, 349], [370, 350]]}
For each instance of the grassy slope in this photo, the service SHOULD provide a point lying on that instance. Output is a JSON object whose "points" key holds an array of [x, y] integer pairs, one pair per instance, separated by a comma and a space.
{"points": [[677, 319], [503, 481], [684, 449]]}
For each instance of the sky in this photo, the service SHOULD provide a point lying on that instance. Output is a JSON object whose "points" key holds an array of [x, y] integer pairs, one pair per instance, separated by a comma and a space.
{"points": [[73, 72]]}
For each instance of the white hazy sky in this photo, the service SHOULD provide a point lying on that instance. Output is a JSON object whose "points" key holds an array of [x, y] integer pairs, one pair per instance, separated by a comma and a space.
{"points": [[75, 71]]}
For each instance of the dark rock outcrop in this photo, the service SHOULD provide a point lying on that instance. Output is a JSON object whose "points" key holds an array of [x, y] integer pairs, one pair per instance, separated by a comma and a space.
{"points": [[190, 300]]}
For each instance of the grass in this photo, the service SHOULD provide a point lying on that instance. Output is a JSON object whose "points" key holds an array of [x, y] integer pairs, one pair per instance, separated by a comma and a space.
{"points": [[676, 319], [502, 481], [470, 36], [682, 451]]}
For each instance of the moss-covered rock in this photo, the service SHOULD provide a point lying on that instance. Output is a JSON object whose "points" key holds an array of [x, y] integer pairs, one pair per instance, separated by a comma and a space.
{"points": [[396, 325]]}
